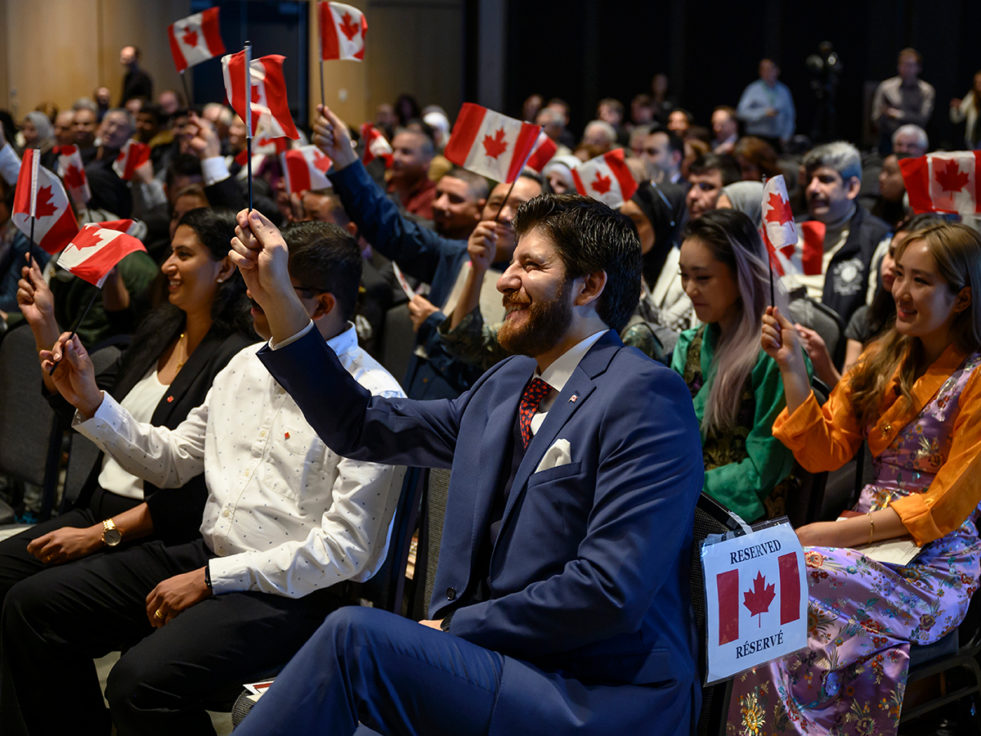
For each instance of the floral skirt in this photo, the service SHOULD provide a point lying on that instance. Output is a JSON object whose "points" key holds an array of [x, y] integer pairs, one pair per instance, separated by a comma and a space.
{"points": [[862, 617]]}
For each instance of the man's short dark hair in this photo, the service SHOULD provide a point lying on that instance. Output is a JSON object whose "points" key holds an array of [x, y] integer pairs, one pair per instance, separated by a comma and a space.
{"points": [[725, 164], [478, 185], [329, 260], [590, 237], [153, 110]]}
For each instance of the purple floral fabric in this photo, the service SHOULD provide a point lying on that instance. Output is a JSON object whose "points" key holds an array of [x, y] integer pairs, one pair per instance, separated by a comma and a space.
{"points": [[863, 614]]}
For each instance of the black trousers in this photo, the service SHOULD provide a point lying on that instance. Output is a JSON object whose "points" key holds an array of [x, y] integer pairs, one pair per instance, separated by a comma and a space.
{"points": [[55, 622], [15, 562]]}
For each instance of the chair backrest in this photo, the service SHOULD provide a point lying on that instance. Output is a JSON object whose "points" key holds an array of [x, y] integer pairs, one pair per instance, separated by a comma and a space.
{"points": [[386, 588], [29, 433], [431, 533], [711, 517], [398, 340], [823, 320]]}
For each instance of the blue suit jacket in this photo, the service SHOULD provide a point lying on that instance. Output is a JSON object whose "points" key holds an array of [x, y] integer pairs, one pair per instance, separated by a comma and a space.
{"points": [[588, 578]]}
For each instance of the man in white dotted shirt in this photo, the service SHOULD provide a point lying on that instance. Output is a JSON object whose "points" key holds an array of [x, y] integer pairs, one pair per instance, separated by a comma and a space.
{"points": [[286, 522]]}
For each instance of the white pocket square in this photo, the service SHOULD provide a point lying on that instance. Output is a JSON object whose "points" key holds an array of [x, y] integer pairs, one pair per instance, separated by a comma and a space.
{"points": [[560, 453]]}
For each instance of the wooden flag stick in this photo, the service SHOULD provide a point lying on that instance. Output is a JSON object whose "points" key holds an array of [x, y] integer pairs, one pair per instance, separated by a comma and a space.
{"points": [[506, 198], [248, 116], [78, 322], [322, 101], [35, 163], [187, 91]]}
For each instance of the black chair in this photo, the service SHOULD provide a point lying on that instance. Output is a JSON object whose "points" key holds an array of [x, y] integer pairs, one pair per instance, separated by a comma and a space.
{"points": [[711, 517], [30, 432], [823, 320]]}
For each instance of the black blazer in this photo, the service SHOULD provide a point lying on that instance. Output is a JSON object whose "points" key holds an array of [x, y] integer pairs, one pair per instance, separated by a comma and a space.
{"points": [[177, 512]]}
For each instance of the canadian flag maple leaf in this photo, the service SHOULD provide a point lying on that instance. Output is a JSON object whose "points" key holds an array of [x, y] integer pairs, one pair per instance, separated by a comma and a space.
{"points": [[779, 210], [87, 237], [350, 29], [45, 206], [758, 598], [950, 177], [256, 95], [495, 146], [73, 177], [190, 37], [601, 184], [320, 161]]}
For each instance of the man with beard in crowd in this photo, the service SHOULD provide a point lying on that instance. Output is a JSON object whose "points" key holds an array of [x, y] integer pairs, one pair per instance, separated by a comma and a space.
{"points": [[563, 569]]}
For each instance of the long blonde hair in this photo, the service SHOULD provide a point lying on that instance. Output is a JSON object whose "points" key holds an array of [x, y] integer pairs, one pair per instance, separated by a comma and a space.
{"points": [[734, 240], [957, 251]]}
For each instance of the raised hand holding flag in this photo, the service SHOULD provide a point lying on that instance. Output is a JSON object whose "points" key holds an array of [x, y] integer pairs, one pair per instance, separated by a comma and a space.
{"points": [[96, 250]]}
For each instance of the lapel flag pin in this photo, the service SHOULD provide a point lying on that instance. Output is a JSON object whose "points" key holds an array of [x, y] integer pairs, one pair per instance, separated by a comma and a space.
{"points": [[572, 399]]}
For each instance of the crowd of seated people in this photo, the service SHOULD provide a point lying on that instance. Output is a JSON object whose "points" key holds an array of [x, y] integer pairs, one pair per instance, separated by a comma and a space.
{"points": [[548, 344]]}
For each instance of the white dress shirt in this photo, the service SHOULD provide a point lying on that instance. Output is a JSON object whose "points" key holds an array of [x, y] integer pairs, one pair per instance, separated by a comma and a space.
{"points": [[284, 514], [558, 373]]}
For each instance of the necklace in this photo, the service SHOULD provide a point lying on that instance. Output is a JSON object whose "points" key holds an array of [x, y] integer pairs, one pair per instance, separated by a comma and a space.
{"points": [[180, 363]]}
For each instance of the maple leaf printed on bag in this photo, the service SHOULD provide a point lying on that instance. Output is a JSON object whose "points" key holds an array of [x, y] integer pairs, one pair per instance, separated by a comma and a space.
{"points": [[758, 598], [950, 177], [495, 146]]}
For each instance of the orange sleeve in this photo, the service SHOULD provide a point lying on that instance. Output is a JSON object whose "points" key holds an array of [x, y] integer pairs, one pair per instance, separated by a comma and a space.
{"points": [[956, 490], [821, 437]]}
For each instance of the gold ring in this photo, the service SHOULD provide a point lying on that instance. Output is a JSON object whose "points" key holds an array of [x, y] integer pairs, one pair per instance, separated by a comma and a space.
{"points": [[158, 614]]}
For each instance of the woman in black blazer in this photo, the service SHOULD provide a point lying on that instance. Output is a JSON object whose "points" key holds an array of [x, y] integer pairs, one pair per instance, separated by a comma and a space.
{"points": [[183, 344]]}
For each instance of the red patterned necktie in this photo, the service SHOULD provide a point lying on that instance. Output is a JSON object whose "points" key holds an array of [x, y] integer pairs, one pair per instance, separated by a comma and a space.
{"points": [[534, 392]]}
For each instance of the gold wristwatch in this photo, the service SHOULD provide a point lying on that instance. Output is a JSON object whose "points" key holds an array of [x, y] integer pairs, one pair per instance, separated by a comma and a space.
{"points": [[111, 536]]}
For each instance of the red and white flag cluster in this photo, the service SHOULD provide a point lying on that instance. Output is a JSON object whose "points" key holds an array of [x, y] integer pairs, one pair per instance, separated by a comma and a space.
{"points": [[40, 195], [342, 32], [131, 157], [376, 145], [195, 38], [606, 178], [97, 248], [267, 98], [792, 249], [72, 172], [543, 152], [490, 144], [944, 182], [305, 168]]}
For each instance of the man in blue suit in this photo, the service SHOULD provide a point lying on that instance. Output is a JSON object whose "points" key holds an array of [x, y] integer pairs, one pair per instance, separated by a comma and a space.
{"points": [[561, 598]]}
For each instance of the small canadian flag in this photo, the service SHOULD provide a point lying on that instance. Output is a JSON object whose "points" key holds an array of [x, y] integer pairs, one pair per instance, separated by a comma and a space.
{"points": [[543, 152], [96, 250], [944, 182], [375, 145], [490, 144], [39, 194], [305, 168], [131, 157], [266, 99], [606, 178], [342, 32], [72, 172], [195, 38]]}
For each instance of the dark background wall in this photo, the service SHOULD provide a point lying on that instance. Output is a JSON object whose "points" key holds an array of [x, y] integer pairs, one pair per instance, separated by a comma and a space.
{"points": [[582, 50]]}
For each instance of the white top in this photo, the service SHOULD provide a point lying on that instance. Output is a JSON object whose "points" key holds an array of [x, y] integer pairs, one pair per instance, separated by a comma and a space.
{"points": [[140, 402], [558, 373], [284, 514]]}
